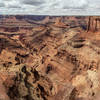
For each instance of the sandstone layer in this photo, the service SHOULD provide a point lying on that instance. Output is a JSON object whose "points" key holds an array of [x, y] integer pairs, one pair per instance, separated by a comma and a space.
{"points": [[93, 24]]}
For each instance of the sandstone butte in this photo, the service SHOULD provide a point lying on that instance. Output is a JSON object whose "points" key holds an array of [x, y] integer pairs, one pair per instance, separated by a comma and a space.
{"points": [[94, 24], [49, 58]]}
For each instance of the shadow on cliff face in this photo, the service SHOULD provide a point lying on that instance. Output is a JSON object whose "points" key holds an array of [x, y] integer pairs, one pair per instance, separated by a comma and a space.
{"points": [[9, 29], [30, 85], [84, 27]]}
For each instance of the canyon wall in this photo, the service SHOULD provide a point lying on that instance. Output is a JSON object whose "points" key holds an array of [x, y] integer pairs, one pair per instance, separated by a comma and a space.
{"points": [[93, 24]]}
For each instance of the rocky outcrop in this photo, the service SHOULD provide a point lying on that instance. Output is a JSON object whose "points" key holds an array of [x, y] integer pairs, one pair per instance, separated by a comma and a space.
{"points": [[93, 24], [30, 85], [15, 29], [3, 92], [59, 22]]}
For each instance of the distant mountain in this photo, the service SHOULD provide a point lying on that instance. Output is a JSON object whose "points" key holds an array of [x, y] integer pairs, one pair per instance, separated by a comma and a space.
{"points": [[31, 17]]}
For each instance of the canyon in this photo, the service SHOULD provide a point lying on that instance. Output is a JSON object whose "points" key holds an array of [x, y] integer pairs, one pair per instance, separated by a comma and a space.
{"points": [[49, 58]]}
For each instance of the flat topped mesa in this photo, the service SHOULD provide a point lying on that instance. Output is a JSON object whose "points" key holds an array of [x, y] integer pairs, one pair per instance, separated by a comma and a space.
{"points": [[93, 23]]}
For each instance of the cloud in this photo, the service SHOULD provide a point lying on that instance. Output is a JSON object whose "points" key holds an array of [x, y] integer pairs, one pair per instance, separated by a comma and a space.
{"points": [[33, 2], [2, 5], [50, 7], [75, 4], [14, 6]]}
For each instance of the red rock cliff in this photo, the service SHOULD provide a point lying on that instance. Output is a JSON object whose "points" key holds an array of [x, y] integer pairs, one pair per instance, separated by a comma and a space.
{"points": [[93, 24]]}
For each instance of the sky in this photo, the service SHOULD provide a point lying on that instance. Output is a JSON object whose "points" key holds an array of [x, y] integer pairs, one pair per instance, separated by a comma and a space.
{"points": [[50, 7]]}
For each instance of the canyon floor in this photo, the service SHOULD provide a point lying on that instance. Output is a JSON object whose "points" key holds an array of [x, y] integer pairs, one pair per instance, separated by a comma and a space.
{"points": [[49, 60]]}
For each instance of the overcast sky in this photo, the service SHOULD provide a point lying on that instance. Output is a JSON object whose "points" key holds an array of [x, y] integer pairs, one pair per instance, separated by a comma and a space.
{"points": [[50, 7]]}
